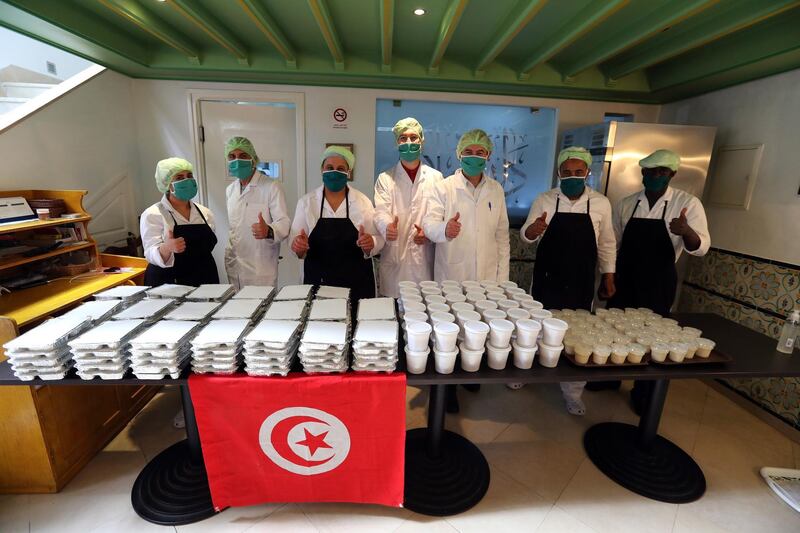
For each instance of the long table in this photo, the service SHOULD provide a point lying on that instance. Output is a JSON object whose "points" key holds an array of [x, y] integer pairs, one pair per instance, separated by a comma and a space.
{"points": [[447, 474]]}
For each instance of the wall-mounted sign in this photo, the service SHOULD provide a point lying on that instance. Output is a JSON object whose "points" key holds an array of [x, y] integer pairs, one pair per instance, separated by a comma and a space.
{"points": [[340, 118]]}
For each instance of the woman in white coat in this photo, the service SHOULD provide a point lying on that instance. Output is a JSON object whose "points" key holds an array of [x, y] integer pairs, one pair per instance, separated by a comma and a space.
{"points": [[257, 217], [466, 217], [399, 207]]}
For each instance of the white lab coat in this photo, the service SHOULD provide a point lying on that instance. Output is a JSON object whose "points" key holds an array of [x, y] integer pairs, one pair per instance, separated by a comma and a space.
{"points": [[251, 261], [397, 196], [481, 250], [156, 222]]}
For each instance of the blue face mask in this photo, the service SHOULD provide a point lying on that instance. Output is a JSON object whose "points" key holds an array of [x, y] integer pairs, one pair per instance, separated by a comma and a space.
{"points": [[472, 165], [185, 189], [334, 180], [409, 151], [572, 187], [240, 168], [655, 182]]}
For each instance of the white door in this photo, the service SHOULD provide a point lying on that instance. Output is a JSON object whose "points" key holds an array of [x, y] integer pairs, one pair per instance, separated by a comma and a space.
{"points": [[272, 127]]}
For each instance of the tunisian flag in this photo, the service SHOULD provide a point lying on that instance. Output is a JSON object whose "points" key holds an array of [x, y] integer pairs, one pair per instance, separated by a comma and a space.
{"points": [[325, 438]]}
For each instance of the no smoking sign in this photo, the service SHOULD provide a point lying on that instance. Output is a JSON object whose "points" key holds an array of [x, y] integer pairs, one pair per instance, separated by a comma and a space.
{"points": [[340, 114]]}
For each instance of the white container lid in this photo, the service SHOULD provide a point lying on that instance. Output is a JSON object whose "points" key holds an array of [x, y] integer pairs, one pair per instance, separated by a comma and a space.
{"points": [[47, 335], [254, 292], [221, 332], [211, 291], [377, 331], [318, 332], [294, 292], [94, 309], [238, 309], [169, 290], [165, 332], [330, 309], [110, 332], [326, 291], [286, 310], [121, 292], [192, 311], [277, 331], [376, 309], [145, 309]]}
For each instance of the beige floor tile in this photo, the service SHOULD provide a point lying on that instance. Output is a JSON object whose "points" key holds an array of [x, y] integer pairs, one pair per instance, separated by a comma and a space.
{"points": [[234, 519], [287, 519], [98, 499], [425, 524], [507, 506], [14, 513], [559, 521], [600, 503], [737, 499], [543, 465], [416, 407], [353, 518]]}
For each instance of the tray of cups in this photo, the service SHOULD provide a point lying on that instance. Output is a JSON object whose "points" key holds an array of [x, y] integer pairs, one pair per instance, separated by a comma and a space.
{"points": [[591, 364], [714, 357]]}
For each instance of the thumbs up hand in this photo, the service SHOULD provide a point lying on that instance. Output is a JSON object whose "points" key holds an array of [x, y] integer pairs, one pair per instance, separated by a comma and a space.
{"points": [[174, 245], [261, 228], [419, 236], [364, 241], [391, 230], [537, 228], [453, 227], [300, 244], [679, 225]]}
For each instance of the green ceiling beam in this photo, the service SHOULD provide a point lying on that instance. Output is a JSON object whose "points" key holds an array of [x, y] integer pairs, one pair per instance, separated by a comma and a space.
{"points": [[519, 17], [87, 29], [446, 30], [733, 16], [387, 34], [579, 25], [267, 25], [325, 22], [208, 23], [764, 43], [636, 31], [141, 17]]}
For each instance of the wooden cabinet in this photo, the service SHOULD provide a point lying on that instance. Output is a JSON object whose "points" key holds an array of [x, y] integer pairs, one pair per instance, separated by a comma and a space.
{"points": [[49, 432]]}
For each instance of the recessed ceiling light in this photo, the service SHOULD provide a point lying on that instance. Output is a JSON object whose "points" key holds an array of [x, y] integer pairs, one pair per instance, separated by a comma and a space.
{"points": [[419, 12]]}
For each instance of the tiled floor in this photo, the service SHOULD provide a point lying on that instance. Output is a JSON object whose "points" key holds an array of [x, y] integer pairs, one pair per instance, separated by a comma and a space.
{"points": [[541, 478]]}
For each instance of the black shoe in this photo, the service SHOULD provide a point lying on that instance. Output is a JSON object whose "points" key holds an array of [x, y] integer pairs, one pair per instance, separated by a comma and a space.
{"points": [[472, 387], [603, 385]]}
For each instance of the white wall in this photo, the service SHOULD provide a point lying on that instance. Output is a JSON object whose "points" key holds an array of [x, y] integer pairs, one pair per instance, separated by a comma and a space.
{"points": [[162, 120], [763, 111], [84, 140]]}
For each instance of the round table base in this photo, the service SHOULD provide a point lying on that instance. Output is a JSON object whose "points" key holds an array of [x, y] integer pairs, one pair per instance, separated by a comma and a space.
{"points": [[173, 489], [664, 472], [450, 484]]}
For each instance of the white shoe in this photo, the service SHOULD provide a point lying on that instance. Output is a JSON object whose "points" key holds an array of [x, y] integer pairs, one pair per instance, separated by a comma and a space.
{"points": [[179, 422], [515, 386], [575, 406]]}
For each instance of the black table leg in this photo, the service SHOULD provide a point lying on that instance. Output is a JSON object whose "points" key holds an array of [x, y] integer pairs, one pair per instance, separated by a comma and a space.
{"points": [[173, 488], [641, 460], [445, 473]]}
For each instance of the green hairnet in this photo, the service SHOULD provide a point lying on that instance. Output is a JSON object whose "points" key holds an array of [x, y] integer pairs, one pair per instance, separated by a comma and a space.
{"points": [[575, 152], [341, 151], [408, 123], [167, 168], [476, 136], [661, 158], [243, 144]]}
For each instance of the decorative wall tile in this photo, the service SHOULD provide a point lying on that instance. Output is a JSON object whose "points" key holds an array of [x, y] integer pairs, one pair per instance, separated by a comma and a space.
{"points": [[520, 249]]}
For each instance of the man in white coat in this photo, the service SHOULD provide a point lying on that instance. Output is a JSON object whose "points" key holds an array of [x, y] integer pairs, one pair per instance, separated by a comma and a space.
{"points": [[257, 217], [466, 217], [399, 208]]}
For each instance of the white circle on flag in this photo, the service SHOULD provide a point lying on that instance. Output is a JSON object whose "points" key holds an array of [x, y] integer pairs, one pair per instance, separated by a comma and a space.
{"points": [[304, 440]]}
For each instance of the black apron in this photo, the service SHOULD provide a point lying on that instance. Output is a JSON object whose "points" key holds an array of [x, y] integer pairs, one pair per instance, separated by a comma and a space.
{"points": [[195, 265], [335, 259], [566, 260], [646, 274]]}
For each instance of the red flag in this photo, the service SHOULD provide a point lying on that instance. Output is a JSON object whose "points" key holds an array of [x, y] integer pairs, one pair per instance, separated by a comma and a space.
{"points": [[325, 438]]}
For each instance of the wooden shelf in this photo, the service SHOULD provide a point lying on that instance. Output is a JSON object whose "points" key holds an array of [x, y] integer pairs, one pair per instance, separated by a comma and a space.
{"points": [[36, 224], [28, 305], [58, 251]]}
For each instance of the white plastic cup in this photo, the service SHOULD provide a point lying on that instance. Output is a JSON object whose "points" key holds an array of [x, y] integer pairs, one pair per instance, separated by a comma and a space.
{"points": [[531, 305], [500, 332], [496, 296], [475, 296], [554, 331], [445, 361], [548, 355], [493, 314], [516, 291], [508, 284], [419, 335], [475, 334], [483, 305], [470, 359], [414, 306], [407, 284], [450, 283], [453, 297], [435, 299], [497, 357], [445, 335], [527, 332], [523, 356], [517, 313], [429, 283], [438, 308], [469, 283], [416, 362], [485, 283], [522, 297], [540, 314], [415, 316], [457, 307], [410, 291], [464, 316], [431, 290], [441, 317], [507, 304]]}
